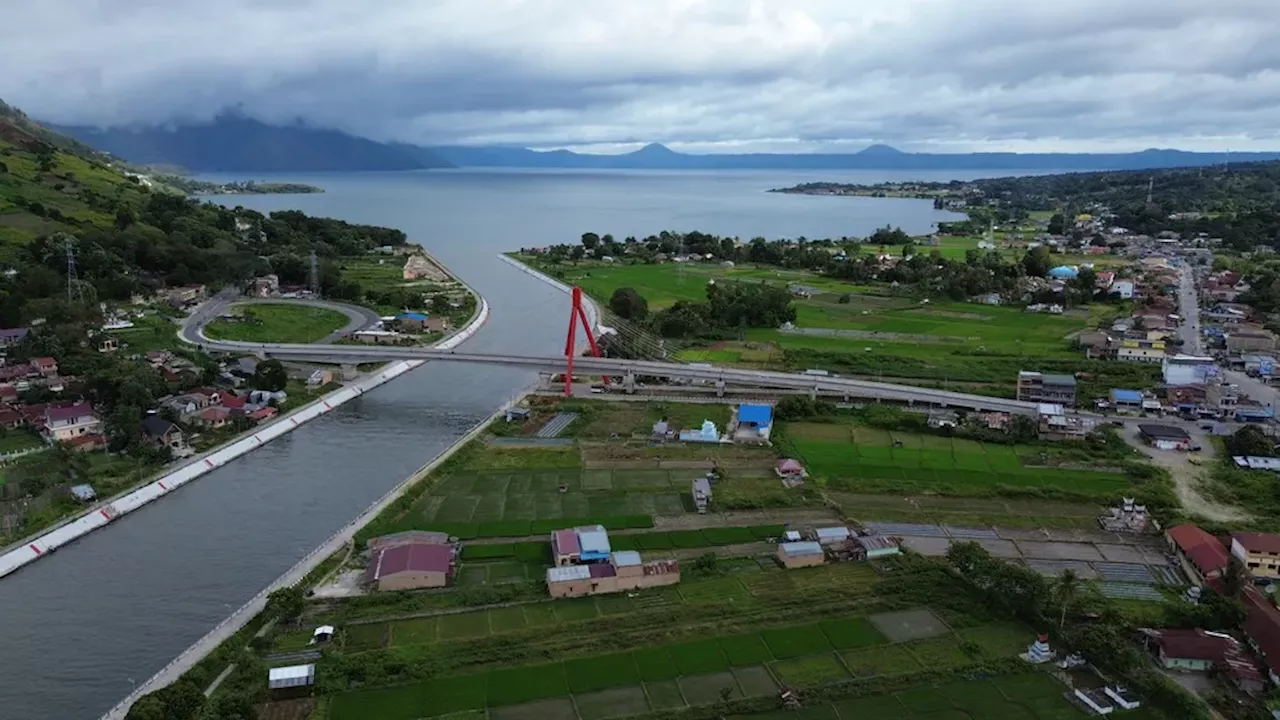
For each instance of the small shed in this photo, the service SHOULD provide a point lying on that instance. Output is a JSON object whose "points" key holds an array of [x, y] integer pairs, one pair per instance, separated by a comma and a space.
{"points": [[322, 634], [832, 535], [791, 536], [517, 413], [701, 494], [878, 546], [293, 680], [84, 493], [800, 554]]}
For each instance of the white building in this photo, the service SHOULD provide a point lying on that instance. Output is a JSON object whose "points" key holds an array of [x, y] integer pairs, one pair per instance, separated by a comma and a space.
{"points": [[1123, 288], [1187, 370]]}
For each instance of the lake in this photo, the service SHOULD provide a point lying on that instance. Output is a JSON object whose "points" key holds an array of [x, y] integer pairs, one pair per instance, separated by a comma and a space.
{"points": [[78, 629]]}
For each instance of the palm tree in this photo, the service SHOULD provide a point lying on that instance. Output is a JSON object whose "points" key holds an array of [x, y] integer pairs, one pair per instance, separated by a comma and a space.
{"points": [[1065, 591]]}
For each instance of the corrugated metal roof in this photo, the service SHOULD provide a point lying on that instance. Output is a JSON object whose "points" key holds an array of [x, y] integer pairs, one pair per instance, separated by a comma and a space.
{"points": [[567, 573], [292, 676], [593, 541], [797, 549], [792, 535], [832, 533], [1131, 396], [755, 414], [626, 558], [566, 542]]}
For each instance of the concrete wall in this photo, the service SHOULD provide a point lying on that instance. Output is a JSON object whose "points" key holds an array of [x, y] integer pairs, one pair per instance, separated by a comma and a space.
{"points": [[800, 561], [33, 549]]}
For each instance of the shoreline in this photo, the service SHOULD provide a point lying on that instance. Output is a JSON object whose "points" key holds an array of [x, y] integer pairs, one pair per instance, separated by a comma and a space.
{"points": [[49, 540]]}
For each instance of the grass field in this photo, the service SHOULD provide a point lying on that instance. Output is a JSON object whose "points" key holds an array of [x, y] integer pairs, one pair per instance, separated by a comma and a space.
{"points": [[861, 459], [743, 665], [277, 322]]}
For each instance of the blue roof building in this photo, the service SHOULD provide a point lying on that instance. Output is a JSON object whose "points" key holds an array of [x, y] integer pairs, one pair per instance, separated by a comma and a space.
{"points": [[754, 423], [412, 316], [1064, 272], [1126, 397], [593, 543]]}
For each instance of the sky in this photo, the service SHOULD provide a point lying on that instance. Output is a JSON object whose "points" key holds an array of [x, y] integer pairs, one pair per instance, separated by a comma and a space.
{"points": [[697, 75]]}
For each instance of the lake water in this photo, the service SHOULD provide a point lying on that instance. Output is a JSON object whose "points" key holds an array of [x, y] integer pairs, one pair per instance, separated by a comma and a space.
{"points": [[79, 628]]}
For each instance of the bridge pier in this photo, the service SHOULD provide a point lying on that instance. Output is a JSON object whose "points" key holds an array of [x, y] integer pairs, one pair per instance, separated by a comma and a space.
{"points": [[350, 371], [719, 388], [813, 393], [629, 383], [544, 381]]}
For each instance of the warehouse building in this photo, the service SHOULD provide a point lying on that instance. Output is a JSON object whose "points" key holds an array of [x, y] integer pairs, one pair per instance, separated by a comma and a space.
{"points": [[410, 566], [800, 554]]}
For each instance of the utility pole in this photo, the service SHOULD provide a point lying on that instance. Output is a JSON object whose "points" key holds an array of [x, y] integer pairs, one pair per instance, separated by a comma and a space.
{"points": [[315, 274], [75, 293]]}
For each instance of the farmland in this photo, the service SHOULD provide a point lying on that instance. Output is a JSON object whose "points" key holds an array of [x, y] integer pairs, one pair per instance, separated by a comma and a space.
{"points": [[872, 330], [857, 458]]}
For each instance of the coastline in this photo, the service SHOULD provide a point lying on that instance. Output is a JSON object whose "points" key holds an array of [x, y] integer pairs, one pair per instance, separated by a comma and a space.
{"points": [[74, 527]]}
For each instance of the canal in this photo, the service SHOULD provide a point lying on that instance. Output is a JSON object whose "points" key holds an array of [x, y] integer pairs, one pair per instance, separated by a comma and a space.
{"points": [[78, 629]]}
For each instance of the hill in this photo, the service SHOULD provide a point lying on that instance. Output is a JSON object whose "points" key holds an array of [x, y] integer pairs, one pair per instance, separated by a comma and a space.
{"points": [[238, 144], [875, 157], [131, 236]]}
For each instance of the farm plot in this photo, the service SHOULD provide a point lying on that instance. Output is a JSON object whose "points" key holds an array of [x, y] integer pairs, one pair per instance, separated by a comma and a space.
{"points": [[868, 460]]}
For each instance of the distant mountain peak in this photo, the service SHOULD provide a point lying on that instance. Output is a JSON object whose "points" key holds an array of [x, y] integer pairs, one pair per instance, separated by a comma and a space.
{"points": [[655, 149], [880, 149]]}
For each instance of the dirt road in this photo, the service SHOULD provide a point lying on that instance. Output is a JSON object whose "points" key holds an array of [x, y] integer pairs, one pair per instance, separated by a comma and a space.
{"points": [[1187, 477]]}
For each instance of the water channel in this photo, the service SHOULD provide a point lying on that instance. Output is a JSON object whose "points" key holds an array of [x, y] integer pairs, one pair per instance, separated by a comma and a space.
{"points": [[79, 628]]}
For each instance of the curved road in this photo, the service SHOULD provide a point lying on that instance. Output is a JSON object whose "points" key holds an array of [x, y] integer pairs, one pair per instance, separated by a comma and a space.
{"points": [[358, 318]]}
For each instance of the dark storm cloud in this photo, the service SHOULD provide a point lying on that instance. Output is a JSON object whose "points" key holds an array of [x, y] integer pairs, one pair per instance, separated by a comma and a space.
{"points": [[715, 74]]}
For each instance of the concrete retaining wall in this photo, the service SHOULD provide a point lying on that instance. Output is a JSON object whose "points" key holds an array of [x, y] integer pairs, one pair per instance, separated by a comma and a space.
{"points": [[593, 312], [38, 547]]}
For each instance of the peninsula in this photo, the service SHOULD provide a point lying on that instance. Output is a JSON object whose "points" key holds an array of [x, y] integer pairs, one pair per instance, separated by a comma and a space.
{"points": [[191, 186]]}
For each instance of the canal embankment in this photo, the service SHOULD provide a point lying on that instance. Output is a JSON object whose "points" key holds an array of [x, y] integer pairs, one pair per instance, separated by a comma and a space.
{"points": [[100, 515]]}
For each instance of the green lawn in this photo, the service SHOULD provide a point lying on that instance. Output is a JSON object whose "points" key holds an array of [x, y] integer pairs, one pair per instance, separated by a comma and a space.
{"points": [[277, 322]]}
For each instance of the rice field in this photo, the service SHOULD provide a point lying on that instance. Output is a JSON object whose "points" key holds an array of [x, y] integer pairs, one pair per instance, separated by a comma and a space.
{"points": [[862, 459]]}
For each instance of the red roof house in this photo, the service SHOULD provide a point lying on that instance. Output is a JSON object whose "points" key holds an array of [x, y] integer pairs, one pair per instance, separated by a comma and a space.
{"points": [[232, 401], [263, 414], [45, 365], [1202, 556], [410, 566]]}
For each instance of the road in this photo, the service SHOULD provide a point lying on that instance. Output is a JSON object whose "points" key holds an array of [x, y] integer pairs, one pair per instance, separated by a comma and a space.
{"points": [[1189, 308], [358, 318]]}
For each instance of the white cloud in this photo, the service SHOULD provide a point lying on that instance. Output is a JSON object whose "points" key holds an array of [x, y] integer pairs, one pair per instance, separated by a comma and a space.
{"points": [[707, 75]]}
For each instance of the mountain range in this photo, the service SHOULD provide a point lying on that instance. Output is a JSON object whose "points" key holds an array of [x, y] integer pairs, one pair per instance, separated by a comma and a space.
{"points": [[234, 143]]}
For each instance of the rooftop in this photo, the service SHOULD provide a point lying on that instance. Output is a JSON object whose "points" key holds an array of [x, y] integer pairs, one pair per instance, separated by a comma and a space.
{"points": [[800, 549], [1163, 432], [755, 414], [568, 573], [626, 558], [1129, 396], [1203, 549], [409, 557], [1258, 542]]}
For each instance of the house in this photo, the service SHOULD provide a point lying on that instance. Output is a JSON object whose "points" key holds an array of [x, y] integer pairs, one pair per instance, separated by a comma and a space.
{"points": [[1165, 437], [877, 546], [87, 442], [1137, 353], [1097, 344], [1251, 341], [319, 378], [1126, 400], [832, 535], [46, 366], [12, 336], [381, 337], [67, 422], [185, 295], [1262, 627], [1187, 370], [621, 571], [8, 393], [108, 345], [411, 322], [1124, 289], [410, 566], [1046, 388], [158, 358], [1199, 650], [800, 554], [262, 414], [701, 494], [755, 422], [437, 324], [1260, 553], [11, 419], [564, 548], [1200, 554], [162, 433], [1059, 427], [264, 286], [213, 417]]}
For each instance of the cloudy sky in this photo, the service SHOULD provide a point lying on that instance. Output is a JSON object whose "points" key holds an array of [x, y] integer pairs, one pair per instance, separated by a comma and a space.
{"points": [[699, 75]]}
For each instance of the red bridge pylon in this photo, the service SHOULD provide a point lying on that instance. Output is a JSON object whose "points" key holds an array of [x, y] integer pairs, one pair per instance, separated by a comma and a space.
{"points": [[576, 315]]}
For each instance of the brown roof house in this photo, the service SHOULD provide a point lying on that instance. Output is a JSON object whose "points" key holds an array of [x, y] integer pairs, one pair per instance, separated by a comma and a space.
{"points": [[409, 566]]}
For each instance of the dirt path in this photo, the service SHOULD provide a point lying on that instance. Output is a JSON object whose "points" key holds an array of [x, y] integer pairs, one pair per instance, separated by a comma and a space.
{"points": [[693, 521], [1186, 476]]}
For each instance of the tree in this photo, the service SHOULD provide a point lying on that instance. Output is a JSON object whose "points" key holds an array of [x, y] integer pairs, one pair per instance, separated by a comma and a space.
{"points": [[1087, 282], [1234, 578], [590, 240], [1036, 262], [1057, 224], [286, 603], [629, 304], [1249, 440], [1065, 590], [270, 375]]}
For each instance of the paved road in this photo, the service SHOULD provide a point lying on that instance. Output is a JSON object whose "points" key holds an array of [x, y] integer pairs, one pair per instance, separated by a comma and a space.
{"points": [[358, 318], [1189, 308]]}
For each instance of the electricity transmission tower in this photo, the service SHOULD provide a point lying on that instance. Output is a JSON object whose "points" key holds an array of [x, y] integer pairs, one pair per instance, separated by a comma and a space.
{"points": [[75, 293], [315, 274]]}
